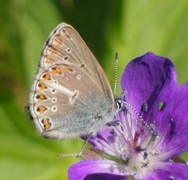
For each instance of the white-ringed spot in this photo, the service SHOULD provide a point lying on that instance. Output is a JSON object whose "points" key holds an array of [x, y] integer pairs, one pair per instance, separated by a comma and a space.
{"points": [[68, 50], [54, 100], [78, 77], [65, 58], [53, 91], [82, 65], [56, 81], [54, 108]]}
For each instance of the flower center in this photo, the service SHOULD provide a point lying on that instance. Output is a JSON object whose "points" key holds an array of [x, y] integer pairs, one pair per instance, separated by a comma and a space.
{"points": [[138, 144], [142, 159], [134, 145]]}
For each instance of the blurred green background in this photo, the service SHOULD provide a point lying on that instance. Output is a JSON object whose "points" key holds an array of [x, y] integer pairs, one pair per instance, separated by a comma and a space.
{"points": [[129, 27]]}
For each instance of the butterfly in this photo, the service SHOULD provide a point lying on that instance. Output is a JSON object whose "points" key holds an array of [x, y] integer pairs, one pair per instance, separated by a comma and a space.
{"points": [[70, 95]]}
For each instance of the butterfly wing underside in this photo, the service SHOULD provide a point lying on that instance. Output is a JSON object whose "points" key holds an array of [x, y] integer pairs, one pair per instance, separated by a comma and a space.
{"points": [[71, 95]]}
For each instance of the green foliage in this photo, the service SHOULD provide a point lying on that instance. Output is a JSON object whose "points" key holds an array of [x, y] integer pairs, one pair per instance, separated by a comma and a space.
{"points": [[129, 27]]}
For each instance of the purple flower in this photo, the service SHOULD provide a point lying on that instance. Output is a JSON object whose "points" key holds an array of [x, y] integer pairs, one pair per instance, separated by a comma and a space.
{"points": [[150, 131]]}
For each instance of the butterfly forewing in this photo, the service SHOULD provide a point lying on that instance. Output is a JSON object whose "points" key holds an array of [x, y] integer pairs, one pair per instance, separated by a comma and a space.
{"points": [[71, 95]]}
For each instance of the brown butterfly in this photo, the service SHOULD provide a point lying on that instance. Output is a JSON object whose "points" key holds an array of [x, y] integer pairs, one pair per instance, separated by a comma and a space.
{"points": [[71, 95]]}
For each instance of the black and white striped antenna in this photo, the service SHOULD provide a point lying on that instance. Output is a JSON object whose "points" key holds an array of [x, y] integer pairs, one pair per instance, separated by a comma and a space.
{"points": [[115, 74]]}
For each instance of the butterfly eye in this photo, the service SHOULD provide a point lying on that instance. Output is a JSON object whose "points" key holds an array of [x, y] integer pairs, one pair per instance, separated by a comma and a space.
{"points": [[119, 104]]}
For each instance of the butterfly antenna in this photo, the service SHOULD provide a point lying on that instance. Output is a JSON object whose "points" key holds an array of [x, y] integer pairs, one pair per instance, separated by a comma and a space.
{"points": [[115, 73]]}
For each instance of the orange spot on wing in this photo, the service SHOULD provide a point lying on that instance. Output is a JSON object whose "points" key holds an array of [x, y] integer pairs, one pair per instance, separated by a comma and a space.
{"points": [[65, 32], [42, 86], [57, 41], [68, 68], [46, 76], [46, 123], [41, 97], [41, 109], [49, 61], [52, 51], [57, 70]]}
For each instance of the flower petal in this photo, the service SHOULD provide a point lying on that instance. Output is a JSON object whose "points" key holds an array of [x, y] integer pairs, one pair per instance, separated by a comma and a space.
{"points": [[171, 171], [173, 120], [86, 168], [104, 140], [145, 77], [104, 177], [150, 80]]}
